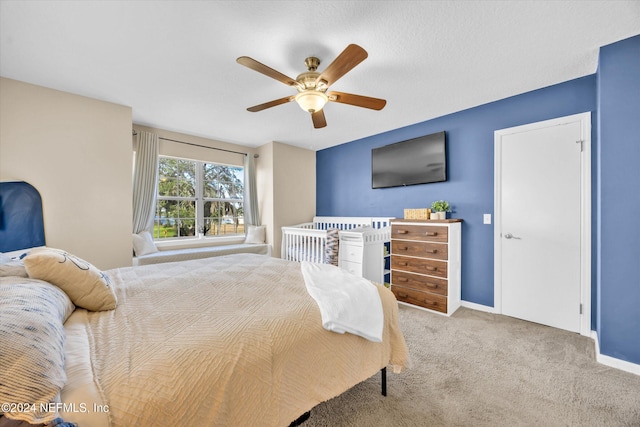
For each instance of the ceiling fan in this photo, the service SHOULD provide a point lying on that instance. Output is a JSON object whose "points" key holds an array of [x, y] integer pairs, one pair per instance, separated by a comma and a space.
{"points": [[312, 86]]}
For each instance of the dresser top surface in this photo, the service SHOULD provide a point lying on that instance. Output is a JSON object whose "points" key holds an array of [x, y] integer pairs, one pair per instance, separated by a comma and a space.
{"points": [[426, 221]]}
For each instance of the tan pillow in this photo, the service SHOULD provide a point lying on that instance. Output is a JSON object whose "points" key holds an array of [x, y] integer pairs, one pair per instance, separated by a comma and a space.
{"points": [[87, 286]]}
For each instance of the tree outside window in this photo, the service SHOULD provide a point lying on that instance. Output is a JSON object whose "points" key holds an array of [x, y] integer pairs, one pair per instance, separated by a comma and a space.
{"points": [[198, 198]]}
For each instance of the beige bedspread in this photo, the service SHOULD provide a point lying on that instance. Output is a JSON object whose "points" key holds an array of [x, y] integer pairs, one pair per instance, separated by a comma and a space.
{"points": [[227, 341]]}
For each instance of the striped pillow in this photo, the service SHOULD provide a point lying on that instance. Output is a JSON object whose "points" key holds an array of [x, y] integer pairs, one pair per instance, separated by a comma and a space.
{"points": [[32, 341], [11, 267]]}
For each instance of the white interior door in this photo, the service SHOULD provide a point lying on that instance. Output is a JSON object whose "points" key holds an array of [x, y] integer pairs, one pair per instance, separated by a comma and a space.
{"points": [[539, 224]]}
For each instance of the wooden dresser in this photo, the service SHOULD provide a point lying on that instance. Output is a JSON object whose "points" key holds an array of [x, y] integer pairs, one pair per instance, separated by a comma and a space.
{"points": [[425, 263]]}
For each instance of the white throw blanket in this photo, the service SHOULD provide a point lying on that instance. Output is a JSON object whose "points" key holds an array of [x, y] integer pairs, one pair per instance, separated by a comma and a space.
{"points": [[348, 303]]}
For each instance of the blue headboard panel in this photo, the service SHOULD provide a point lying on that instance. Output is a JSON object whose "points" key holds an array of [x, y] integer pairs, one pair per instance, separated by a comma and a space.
{"points": [[21, 222]]}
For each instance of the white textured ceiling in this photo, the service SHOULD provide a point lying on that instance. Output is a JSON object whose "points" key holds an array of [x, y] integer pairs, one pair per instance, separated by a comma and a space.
{"points": [[174, 63]]}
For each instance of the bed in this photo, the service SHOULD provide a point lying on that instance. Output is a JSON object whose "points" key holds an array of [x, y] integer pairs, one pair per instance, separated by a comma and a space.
{"points": [[230, 340], [318, 241]]}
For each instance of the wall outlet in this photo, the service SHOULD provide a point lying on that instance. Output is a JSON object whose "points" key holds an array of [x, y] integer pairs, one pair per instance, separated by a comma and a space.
{"points": [[487, 219]]}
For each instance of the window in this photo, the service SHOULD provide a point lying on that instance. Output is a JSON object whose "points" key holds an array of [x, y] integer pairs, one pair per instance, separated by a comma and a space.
{"points": [[197, 197]]}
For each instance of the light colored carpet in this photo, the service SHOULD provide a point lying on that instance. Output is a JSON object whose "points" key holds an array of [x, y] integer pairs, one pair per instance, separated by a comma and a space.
{"points": [[481, 369]]}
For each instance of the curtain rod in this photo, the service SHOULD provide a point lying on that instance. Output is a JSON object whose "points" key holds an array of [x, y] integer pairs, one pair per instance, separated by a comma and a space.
{"points": [[255, 156]]}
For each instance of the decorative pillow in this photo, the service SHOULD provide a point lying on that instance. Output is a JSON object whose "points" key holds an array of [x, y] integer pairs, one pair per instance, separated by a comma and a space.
{"points": [[87, 286], [143, 244], [256, 234], [32, 341], [11, 267], [331, 247]]}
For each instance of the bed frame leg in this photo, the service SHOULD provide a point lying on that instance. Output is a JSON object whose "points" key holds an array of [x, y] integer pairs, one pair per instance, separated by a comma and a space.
{"points": [[384, 381]]}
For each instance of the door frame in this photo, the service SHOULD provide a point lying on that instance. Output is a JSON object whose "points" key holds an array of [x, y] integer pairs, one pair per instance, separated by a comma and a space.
{"points": [[585, 211]]}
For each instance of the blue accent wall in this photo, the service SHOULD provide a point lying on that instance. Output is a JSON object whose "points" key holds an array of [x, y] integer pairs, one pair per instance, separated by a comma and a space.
{"points": [[613, 97], [344, 172], [618, 189]]}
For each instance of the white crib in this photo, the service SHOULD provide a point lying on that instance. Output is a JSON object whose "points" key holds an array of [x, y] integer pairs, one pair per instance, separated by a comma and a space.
{"points": [[307, 241]]}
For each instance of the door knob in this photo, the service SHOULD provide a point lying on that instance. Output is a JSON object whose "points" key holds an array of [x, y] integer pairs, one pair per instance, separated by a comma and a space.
{"points": [[510, 236]]}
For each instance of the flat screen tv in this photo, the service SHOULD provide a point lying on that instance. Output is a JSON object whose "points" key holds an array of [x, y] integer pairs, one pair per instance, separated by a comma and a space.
{"points": [[420, 160]]}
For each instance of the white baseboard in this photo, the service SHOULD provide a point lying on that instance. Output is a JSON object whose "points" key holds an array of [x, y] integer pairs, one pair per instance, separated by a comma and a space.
{"points": [[623, 365], [479, 307]]}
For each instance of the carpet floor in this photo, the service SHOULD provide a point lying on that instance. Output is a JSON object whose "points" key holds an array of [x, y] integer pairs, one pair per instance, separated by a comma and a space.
{"points": [[481, 369]]}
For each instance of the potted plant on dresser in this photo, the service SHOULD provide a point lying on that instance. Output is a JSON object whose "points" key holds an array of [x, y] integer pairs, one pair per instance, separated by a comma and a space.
{"points": [[439, 209]]}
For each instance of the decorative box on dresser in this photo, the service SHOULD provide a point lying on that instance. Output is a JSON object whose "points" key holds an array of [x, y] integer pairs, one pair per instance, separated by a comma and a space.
{"points": [[425, 263]]}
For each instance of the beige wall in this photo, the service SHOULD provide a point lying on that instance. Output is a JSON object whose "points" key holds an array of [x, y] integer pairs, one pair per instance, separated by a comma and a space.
{"points": [[286, 178], [264, 184], [77, 152], [198, 151]]}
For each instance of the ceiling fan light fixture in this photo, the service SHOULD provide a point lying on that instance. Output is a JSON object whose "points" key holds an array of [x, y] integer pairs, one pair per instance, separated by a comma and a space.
{"points": [[312, 86], [311, 100]]}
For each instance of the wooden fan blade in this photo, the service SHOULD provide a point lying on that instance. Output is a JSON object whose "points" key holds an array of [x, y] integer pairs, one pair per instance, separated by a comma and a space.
{"points": [[319, 120], [357, 100], [270, 104], [267, 71], [349, 58]]}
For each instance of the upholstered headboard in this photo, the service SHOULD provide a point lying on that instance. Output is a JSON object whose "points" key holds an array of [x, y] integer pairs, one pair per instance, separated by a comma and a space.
{"points": [[21, 221]]}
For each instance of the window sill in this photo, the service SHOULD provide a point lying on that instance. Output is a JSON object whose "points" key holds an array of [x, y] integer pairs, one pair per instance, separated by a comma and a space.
{"points": [[195, 242]]}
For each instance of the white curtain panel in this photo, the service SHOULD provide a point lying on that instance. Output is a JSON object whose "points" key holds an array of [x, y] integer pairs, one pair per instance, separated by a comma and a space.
{"points": [[145, 181], [251, 214]]}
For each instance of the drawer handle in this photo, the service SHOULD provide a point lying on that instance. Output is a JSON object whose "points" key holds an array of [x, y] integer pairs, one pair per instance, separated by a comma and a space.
{"points": [[431, 285], [403, 295], [432, 251], [428, 267], [404, 248], [402, 279], [403, 231], [431, 233], [426, 301], [403, 263]]}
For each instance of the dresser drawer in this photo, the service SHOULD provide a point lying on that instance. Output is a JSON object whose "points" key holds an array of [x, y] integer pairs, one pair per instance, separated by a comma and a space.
{"points": [[351, 253], [422, 299], [419, 282], [352, 267], [425, 233], [430, 267], [420, 249]]}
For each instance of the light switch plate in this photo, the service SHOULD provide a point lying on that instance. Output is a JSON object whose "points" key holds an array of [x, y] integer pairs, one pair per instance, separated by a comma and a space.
{"points": [[487, 218]]}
